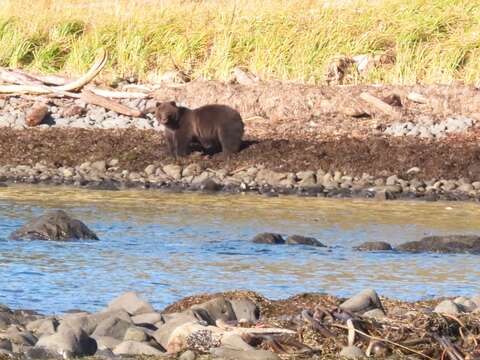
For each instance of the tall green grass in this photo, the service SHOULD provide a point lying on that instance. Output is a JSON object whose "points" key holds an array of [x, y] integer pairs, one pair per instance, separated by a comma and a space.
{"points": [[433, 40]]}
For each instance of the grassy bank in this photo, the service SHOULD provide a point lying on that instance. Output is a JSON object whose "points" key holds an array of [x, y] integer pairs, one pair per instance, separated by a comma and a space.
{"points": [[434, 41]]}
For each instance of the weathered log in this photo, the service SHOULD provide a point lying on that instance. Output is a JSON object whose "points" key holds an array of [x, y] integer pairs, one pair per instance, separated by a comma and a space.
{"points": [[418, 98], [18, 77], [71, 86], [118, 94], [36, 115], [381, 105], [95, 99]]}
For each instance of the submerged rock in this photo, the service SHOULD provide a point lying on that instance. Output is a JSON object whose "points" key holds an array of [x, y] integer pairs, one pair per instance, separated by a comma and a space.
{"points": [[268, 238], [374, 246], [444, 244], [55, 225], [303, 240]]}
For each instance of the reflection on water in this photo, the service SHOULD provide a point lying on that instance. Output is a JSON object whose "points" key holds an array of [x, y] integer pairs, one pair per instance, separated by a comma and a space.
{"points": [[167, 246]]}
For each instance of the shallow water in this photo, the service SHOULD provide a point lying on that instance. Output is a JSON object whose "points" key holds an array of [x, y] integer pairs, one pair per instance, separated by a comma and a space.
{"points": [[167, 246]]}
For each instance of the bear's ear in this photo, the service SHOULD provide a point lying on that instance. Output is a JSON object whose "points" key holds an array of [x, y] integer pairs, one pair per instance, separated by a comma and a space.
{"points": [[173, 103]]}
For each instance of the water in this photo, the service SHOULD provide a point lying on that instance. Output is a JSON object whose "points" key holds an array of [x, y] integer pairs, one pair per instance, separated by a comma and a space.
{"points": [[167, 246]]}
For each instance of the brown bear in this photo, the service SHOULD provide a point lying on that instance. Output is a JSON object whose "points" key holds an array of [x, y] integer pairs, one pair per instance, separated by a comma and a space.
{"points": [[213, 126]]}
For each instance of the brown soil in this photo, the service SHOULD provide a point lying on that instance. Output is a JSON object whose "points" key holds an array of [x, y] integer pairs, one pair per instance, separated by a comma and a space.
{"points": [[451, 158]]}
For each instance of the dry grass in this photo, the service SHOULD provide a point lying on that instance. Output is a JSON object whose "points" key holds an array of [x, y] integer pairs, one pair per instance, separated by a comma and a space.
{"points": [[434, 41]]}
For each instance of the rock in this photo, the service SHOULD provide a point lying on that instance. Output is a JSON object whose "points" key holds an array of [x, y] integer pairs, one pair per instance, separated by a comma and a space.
{"points": [[476, 300], [303, 240], [363, 301], [89, 322], [466, 305], [231, 354], [99, 166], [135, 333], [162, 335], [147, 318], [173, 171], [150, 169], [194, 336], [106, 342], [235, 342], [374, 246], [187, 355], [131, 303], [207, 185], [444, 244], [73, 111], [245, 310], [55, 225], [5, 344], [215, 309], [352, 352], [136, 348], [112, 327], [43, 326], [448, 307], [376, 314], [192, 170], [69, 342], [40, 353], [268, 238]]}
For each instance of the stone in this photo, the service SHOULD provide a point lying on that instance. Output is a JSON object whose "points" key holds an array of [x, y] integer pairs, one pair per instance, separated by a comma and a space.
{"points": [[476, 300], [40, 353], [112, 327], [216, 309], [136, 348], [465, 188], [235, 341], [100, 166], [131, 303], [231, 354], [352, 352], [147, 318], [43, 326], [69, 342], [466, 305], [448, 307], [303, 240], [363, 301], [207, 185], [6, 344], [444, 244], [187, 355], [192, 170], [150, 169], [245, 310], [54, 225], [268, 238], [374, 246], [106, 342], [162, 335], [376, 314], [135, 333], [173, 171]]}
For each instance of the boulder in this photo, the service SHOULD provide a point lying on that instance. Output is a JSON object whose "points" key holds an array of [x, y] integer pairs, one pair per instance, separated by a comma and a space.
{"points": [[135, 333], [187, 355], [89, 322], [268, 238], [374, 246], [352, 352], [363, 301], [41, 353], [43, 326], [112, 327], [231, 354], [136, 348], [106, 342], [235, 341], [245, 310], [131, 303], [303, 240], [162, 335], [55, 225], [194, 336], [466, 305], [448, 307], [444, 244], [69, 341], [215, 309], [147, 318]]}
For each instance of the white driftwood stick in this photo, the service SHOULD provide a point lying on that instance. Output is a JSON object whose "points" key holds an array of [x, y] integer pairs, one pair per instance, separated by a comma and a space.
{"points": [[381, 105], [107, 103], [418, 98]]}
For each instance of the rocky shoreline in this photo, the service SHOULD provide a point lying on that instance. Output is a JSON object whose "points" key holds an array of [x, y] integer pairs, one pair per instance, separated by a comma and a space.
{"points": [[107, 175], [245, 325]]}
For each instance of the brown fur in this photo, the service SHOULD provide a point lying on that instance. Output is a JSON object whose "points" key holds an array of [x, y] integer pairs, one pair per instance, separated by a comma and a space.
{"points": [[213, 126]]}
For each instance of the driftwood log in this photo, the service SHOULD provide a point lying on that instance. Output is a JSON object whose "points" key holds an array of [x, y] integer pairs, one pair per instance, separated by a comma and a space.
{"points": [[92, 98]]}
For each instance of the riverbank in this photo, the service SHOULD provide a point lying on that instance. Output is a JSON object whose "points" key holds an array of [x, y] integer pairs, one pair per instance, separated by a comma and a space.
{"points": [[299, 139], [244, 324]]}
